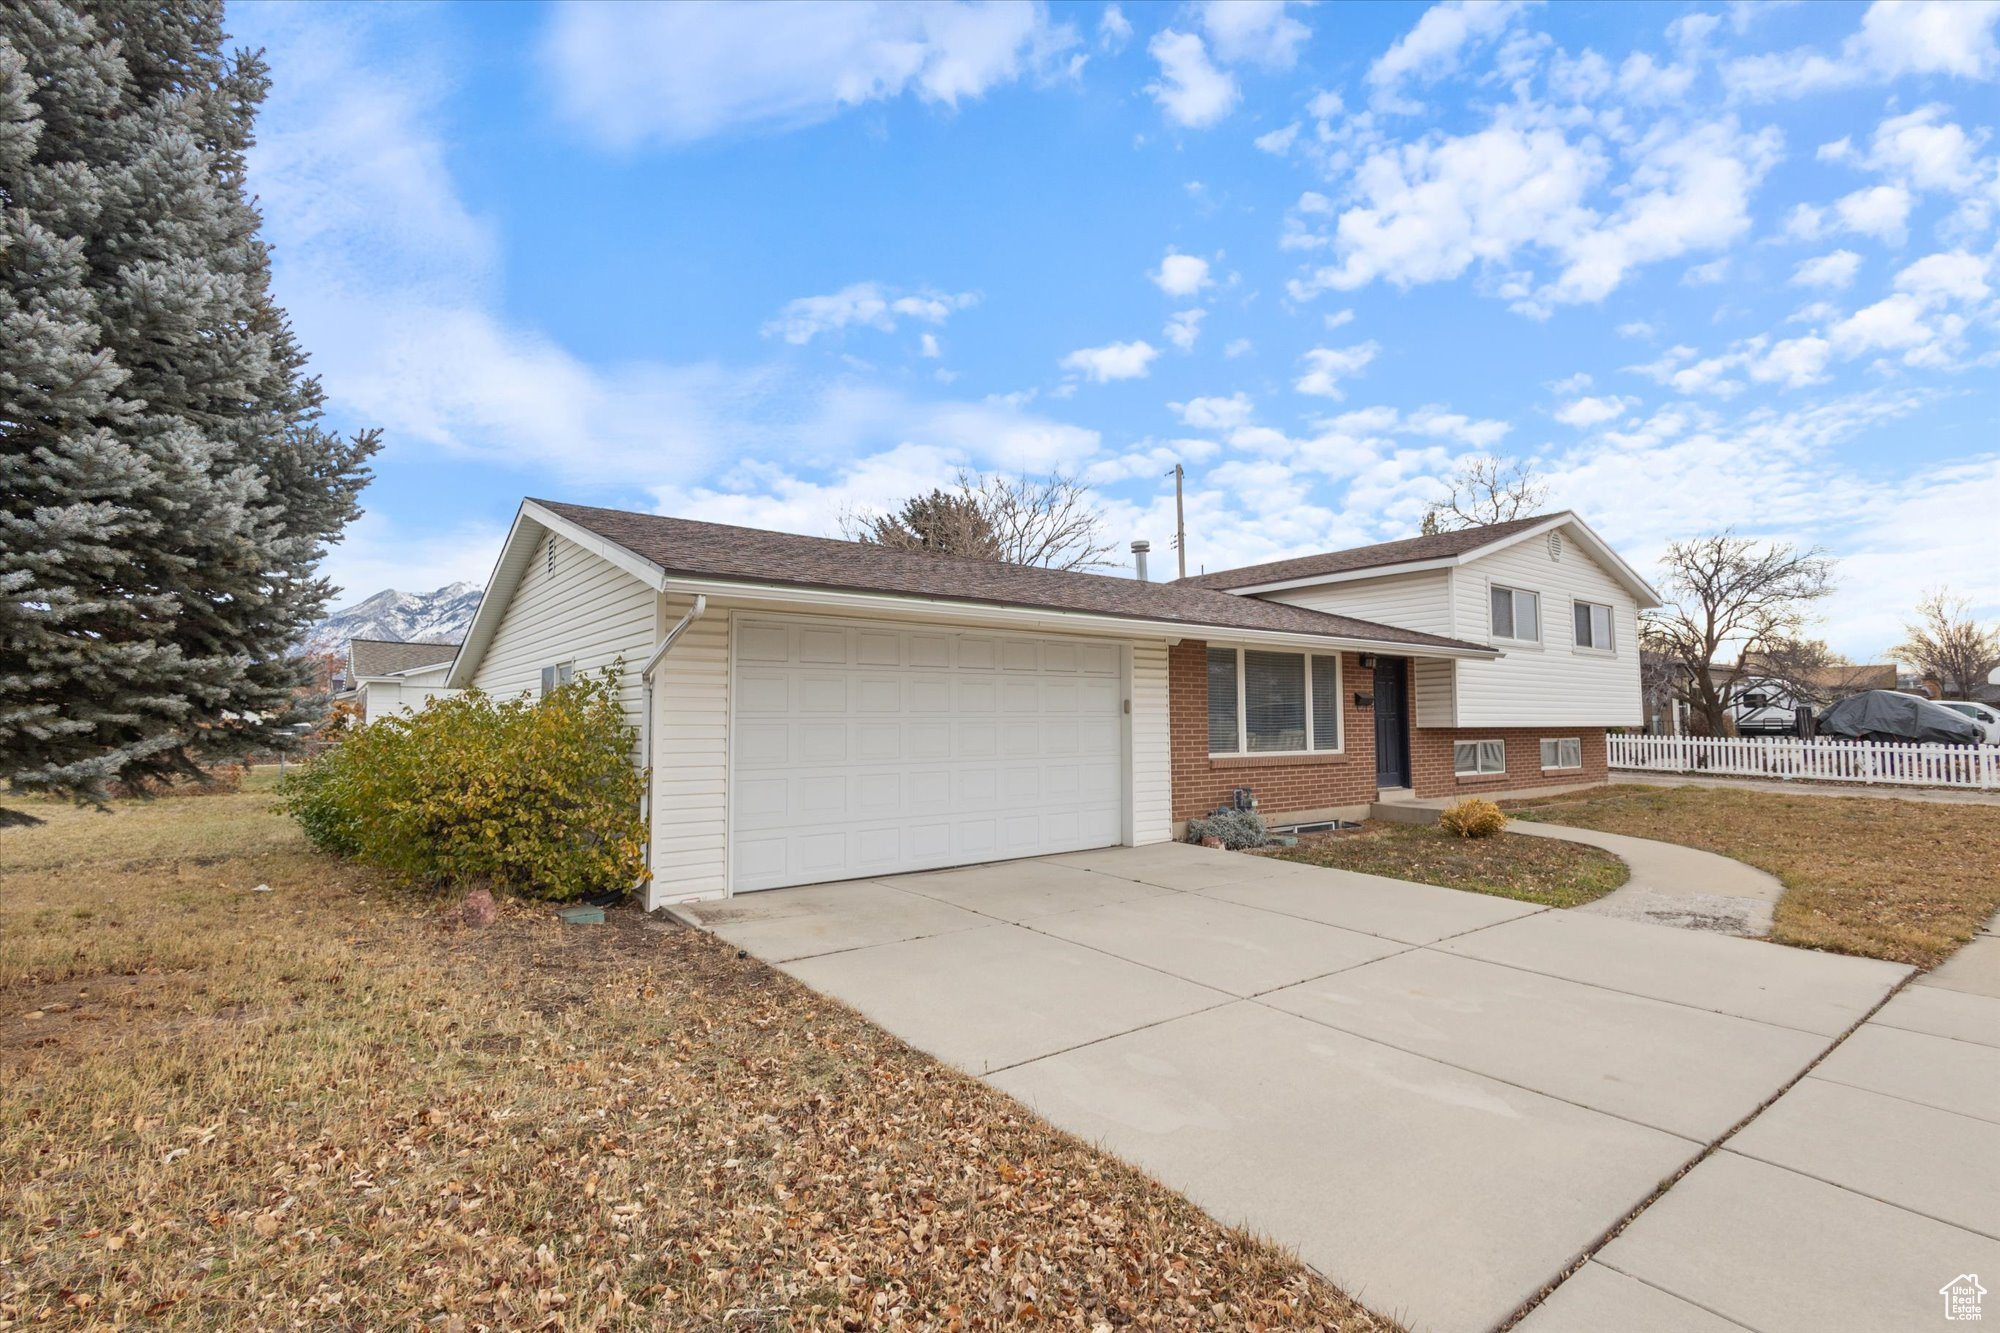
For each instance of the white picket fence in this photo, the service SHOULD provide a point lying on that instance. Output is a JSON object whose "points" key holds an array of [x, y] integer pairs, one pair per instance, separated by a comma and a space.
{"points": [[1817, 760]]}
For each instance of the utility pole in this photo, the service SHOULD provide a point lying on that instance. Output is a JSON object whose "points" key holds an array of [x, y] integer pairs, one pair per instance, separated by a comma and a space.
{"points": [[1180, 519]]}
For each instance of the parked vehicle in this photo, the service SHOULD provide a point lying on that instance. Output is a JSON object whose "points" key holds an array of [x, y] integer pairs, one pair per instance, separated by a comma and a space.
{"points": [[1985, 715], [1765, 712], [1887, 715]]}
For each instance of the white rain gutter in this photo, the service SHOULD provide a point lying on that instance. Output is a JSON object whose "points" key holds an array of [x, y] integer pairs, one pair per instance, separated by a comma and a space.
{"points": [[694, 613]]}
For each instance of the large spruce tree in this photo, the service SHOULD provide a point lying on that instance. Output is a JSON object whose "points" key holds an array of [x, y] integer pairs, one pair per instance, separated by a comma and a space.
{"points": [[166, 487]]}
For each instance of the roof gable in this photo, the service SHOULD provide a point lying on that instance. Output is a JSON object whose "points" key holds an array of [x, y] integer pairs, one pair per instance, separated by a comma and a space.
{"points": [[386, 657]]}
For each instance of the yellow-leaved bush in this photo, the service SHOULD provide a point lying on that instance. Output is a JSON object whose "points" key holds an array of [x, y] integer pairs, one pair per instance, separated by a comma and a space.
{"points": [[1473, 818], [533, 796]]}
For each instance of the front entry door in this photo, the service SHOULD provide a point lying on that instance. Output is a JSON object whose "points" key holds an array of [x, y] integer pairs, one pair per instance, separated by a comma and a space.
{"points": [[1392, 722]]}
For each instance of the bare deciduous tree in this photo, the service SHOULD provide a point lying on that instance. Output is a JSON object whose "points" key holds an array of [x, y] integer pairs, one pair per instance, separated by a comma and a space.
{"points": [[1736, 616], [1486, 490], [1049, 522], [1947, 645]]}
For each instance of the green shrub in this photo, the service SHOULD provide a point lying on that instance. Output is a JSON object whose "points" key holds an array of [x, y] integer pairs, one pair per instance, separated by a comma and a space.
{"points": [[1237, 828], [1473, 817], [538, 797]]}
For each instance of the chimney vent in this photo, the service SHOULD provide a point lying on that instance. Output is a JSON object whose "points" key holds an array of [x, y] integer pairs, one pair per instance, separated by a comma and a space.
{"points": [[1139, 550]]}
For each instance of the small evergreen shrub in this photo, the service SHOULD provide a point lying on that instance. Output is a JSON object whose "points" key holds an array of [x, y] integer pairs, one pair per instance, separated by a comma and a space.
{"points": [[1237, 828], [538, 797], [1473, 817]]}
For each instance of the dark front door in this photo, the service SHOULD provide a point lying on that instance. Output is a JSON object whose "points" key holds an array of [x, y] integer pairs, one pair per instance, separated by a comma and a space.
{"points": [[1392, 722]]}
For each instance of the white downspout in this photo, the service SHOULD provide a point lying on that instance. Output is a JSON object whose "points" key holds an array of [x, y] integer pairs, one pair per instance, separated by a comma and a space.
{"points": [[694, 613]]}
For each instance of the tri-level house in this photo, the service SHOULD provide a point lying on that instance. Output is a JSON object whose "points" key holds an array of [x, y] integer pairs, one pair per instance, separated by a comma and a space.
{"points": [[812, 709]]}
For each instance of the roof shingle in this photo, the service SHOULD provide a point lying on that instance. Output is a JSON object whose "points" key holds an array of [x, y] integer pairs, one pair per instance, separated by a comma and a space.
{"points": [[752, 555], [1436, 546], [383, 657]]}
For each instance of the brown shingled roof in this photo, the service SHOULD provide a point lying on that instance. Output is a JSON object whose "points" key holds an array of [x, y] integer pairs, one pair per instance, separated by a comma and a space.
{"points": [[383, 657], [1437, 546], [752, 555]]}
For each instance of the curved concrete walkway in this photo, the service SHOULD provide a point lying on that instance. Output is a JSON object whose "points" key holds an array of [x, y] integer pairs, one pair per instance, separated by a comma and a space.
{"points": [[1673, 885]]}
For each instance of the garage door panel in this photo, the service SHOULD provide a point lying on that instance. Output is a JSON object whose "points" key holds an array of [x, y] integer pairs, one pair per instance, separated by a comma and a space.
{"points": [[867, 750]]}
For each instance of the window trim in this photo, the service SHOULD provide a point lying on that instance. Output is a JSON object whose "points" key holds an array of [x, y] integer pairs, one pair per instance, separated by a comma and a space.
{"points": [[1243, 750], [1559, 766], [1541, 629], [1478, 754], [1609, 649], [555, 675]]}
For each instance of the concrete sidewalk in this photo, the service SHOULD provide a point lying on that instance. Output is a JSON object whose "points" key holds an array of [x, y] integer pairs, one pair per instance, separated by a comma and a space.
{"points": [[1672, 885], [1438, 1099], [1847, 1204]]}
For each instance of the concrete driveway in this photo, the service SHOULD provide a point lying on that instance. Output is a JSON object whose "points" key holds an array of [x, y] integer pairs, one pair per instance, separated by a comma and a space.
{"points": [[1439, 1099]]}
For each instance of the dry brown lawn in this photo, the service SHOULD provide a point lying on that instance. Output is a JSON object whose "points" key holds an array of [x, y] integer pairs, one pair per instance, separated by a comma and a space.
{"points": [[329, 1106], [1534, 870], [1909, 881]]}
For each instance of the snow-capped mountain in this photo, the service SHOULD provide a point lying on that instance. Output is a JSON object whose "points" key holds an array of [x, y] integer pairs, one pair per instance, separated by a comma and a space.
{"points": [[403, 617]]}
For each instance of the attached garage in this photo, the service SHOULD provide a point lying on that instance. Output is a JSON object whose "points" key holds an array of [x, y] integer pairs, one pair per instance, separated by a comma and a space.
{"points": [[812, 709], [867, 749]]}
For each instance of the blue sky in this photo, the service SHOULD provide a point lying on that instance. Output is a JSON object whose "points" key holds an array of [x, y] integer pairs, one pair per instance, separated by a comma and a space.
{"points": [[1704, 264]]}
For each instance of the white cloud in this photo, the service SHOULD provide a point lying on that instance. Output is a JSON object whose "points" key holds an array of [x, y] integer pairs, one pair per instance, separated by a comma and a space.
{"points": [[1236, 347], [1880, 211], [1257, 31], [1181, 275], [1215, 413], [1327, 366], [687, 71], [1277, 142], [1950, 276], [1896, 38], [1429, 210], [864, 304], [928, 346], [1434, 47], [1336, 319], [1587, 412], [1833, 271], [1183, 327], [1191, 90], [375, 553], [1113, 361], [1707, 275], [1927, 152], [1576, 383], [1113, 29]]}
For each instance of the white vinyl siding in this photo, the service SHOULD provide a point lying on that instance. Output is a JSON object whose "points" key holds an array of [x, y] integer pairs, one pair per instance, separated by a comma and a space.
{"points": [[1550, 685], [1563, 752], [1435, 686], [1151, 777], [577, 608], [1420, 601], [691, 758]]}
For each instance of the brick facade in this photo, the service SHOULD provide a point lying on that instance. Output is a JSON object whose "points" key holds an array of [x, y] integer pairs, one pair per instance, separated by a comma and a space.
{"points": [[1298, 783], [1283, 783], [1431, 759]]}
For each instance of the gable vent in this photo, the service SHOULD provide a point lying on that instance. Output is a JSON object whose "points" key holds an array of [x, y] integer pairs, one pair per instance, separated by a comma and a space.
{"points": [[1555, 546], [549, 558]]}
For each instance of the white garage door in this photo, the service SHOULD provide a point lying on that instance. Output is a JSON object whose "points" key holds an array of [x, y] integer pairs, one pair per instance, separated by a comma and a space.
{"points": [[867, 750]]}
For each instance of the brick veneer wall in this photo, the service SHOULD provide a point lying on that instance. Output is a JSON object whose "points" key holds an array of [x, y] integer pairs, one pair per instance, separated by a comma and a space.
{"points": [[1284, 784], [1431, 759]]}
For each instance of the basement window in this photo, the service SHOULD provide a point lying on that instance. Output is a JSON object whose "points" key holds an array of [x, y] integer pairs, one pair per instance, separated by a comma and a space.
{"points": [[1566, 752], [1472, 759]]}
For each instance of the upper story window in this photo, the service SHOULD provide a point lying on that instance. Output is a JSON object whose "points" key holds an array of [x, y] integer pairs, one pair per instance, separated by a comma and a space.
{"points": [[1593, 626], [562, 673], [1517, 614], [1272, 703]]}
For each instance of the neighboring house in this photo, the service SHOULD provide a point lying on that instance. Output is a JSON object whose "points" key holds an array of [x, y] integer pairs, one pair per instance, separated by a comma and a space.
{"points": [[814, 709], [1765, 705], [385, 677]]}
